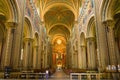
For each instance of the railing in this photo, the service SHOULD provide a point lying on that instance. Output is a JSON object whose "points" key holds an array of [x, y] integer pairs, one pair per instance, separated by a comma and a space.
{"points": [[20, 75], [32, 75], [88, 76]]}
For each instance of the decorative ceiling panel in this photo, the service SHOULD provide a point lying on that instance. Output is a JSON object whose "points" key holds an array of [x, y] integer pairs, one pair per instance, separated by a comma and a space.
{"points": [[60, 12], [59, 29]]}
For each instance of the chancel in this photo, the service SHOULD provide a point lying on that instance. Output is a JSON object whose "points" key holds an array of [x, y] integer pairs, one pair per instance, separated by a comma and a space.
{"points": [[60, 39]]}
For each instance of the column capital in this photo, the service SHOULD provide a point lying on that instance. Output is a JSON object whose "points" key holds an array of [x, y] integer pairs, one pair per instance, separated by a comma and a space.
{"points": [[109, 23], [11, 24], [28, 39], [76, 22], [82, 45], [43, 23], [90, 38], [75, 53], [35, 46]]}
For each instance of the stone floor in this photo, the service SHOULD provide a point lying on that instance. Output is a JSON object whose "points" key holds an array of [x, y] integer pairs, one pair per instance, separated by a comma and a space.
{"points": [[59, 75]]}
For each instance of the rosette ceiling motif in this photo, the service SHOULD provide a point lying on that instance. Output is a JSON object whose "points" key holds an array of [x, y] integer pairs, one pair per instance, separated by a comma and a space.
{"points": [[59, 16]]}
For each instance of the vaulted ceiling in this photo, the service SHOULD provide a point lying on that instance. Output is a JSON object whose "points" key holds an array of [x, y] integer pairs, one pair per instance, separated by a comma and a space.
{"points": [[58, 16]]}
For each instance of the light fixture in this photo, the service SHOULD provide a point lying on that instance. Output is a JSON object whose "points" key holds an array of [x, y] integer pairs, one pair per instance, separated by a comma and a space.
{"points": [[59, 41]]}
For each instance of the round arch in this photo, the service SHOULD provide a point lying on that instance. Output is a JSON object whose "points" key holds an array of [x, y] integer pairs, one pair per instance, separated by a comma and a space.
{"points": [[9, 13], [58, 37], [82, 39], [28, 32], [83, 57], [61, 4], [91, 44], [91, 27], [60, 27], [107, 9], [59, 30], [58, 24], [36, 37], [10, 10]]}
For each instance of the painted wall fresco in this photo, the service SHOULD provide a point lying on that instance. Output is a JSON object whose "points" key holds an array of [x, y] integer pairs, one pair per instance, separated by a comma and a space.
{"points": [[30, 11], [86, 11]]}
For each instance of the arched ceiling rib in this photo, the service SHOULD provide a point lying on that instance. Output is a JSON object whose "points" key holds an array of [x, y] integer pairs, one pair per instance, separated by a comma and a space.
{"points": [[73, 5], [58, 37], [59, 30], [59, 24], [59, 16]]}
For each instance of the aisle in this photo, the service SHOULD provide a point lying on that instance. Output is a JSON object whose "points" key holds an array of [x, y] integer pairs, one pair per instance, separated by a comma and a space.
{"points": [[59, 75]]}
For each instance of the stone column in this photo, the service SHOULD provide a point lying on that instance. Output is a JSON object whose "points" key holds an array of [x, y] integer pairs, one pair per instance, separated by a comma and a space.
{"points": [[75, 59], [42, 57], [27, 54], [109, 25], [46, 58], [79, 57], [35, 57], [101, 38], [42, 60], [91, 53], [72, 59], [9, 43], [39, 58], [117, 50], [84, 58]]}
